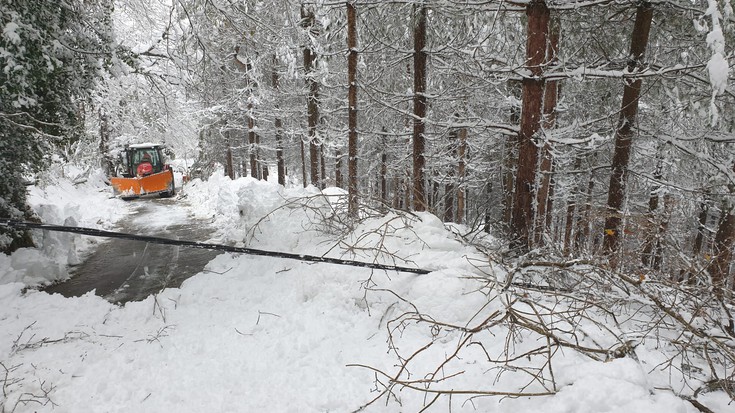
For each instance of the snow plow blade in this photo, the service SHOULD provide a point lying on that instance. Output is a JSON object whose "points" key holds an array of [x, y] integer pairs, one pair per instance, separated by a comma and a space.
{"points": [[160, 183]]}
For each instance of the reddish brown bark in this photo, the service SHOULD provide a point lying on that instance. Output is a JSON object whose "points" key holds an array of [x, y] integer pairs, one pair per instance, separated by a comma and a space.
{"points": [[533, 93], [544, 195], [624, 133]]}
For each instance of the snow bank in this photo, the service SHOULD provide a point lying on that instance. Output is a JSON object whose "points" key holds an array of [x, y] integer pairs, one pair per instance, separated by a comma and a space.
{"points": [[65, 195], [253, 334]]}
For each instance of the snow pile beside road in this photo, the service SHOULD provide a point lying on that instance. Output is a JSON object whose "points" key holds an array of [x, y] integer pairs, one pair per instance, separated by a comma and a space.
{"points": [[253, 334], [258, 213], [65, 195]]}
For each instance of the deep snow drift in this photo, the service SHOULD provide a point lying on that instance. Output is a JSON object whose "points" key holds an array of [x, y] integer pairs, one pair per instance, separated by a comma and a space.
{"points": [[253, 334]]}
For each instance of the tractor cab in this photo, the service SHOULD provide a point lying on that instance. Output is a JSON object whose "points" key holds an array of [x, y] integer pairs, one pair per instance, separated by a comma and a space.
{"points": [[143, 171], [142, 160]]}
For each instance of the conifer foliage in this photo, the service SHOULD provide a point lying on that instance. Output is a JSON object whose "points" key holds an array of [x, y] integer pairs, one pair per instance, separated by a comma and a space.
{"points": [[50, 55]]}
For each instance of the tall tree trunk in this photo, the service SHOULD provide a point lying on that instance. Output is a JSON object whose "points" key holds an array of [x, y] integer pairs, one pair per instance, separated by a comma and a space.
{"points": [[551, 94], [719, 267], [461, 150], [533, 94], [701, 227], [105, 160], [247, 67], [449, 190], [251, 141], [278, 124], [450, 187], [383, 167], [352, 111], [338, 179], [658, 253], [434, 196], [510, 161], [550, 201], [396, 193], [624, 133], [280, 161], [571, 207], [407, 191], [584, 220], [419, 106], [303, 164], [508, 176], [230, 170], [308, 22], [258, 159], [568, 225], [322, 165], [653, 225], [383, 177], [487, 221]]}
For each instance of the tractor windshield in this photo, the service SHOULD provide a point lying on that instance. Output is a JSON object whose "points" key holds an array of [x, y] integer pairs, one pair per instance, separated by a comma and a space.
{"points": [[146, 155]]}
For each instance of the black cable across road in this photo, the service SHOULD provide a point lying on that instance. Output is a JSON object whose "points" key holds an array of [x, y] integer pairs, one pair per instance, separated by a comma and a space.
{"points": [[202, 245]]}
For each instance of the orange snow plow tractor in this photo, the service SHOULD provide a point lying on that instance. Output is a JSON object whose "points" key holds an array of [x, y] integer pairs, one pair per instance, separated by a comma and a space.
{"points": [[143, 173]]}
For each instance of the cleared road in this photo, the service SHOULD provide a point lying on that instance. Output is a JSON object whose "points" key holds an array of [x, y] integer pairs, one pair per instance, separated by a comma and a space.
{"points": [[124, 270]]}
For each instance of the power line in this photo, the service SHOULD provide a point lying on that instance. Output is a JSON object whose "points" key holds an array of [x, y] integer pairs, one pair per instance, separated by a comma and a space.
{"points": [[25, 225]]}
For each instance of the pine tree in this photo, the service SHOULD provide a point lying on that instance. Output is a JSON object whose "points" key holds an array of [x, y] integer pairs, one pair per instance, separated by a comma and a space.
{"points": [[625, 130], [51, 61], [533, 95], [352, 110], [419, 106]]}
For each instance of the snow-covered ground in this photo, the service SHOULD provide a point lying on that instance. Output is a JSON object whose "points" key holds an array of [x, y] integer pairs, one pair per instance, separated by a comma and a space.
{"points": [[258, 334]]}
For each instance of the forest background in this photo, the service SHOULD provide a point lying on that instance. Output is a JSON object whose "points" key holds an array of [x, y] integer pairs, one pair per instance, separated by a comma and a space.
{"points": [[594, 127], [597, 131]]}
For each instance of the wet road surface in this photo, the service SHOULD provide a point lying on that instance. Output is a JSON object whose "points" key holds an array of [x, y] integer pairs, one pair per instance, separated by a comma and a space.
{"points": [[125, 270]]}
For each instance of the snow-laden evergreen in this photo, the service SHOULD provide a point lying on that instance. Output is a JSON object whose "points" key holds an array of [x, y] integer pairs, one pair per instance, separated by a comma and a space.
{"points": [[49, 61]]}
